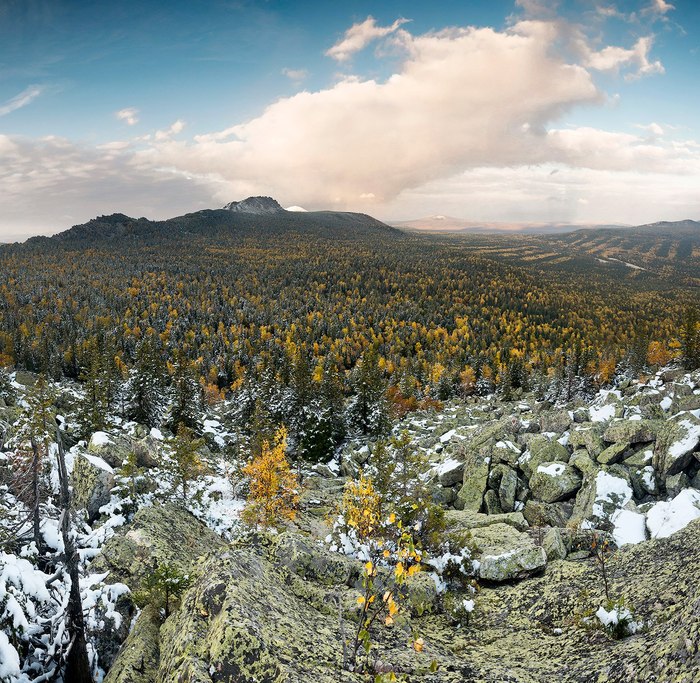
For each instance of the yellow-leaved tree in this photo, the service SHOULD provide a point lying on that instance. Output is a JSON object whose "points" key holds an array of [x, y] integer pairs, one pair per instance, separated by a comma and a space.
{"points": [[274, 487]]}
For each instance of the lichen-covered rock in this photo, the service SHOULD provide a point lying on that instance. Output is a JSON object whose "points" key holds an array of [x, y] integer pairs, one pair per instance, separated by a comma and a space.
{"points": [[677, 440], [553, 545], [138, 658], [583, 462], [450, 472], [601, 495], [631, 431], [541, 449], [538, 513], [476, 474], [93, 481], [421, 594], [507, 490], [491, 503], [464, 519], [166, 534], [613, 454], [554, 481], [313, 561], [587, 435], [506, 554], [557, 421]]}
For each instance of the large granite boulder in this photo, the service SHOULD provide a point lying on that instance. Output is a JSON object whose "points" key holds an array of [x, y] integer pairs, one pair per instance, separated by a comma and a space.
{"points": [[554, 481]]}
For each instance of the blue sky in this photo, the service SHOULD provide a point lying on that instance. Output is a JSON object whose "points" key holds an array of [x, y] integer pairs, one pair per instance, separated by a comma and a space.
{"points": [[531, 110]]}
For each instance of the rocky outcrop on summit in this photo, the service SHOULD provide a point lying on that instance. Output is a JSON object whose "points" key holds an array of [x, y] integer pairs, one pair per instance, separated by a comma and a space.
{"points": [[256, 205]]}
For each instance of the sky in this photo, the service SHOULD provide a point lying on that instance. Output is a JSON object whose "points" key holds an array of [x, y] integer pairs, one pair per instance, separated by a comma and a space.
{"points": [[580, 111]]}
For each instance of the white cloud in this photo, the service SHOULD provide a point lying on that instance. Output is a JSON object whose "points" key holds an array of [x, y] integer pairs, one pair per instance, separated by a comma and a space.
{"points": [[128, 115], [24, 98], [659, 7], [463, 98], [174, 129], [358, 36], [295, 75], [613, 58]]}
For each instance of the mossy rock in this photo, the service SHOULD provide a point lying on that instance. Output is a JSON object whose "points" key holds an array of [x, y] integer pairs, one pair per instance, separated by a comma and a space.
{"points": [[587, 435], [138, 658], [93, 481], [166, 534], [554, 481], [542, 450], [632, 431]]}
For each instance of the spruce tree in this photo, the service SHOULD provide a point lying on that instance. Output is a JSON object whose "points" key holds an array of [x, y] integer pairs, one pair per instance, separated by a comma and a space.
{"points": [[147, 384], [690, 347], [187, 397], [368, 411]]}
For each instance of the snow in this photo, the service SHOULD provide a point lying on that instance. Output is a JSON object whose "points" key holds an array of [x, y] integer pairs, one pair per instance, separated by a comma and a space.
{"points": [[666, 517], [602, 413], [156, 434], [97, 462], [688, 443], [447, 466], [629, 527], [447, 436], [52, 534], [648, 477], [99, 439], [554, 469], [610, 489], [508, 444], [666, 403], [9, 659]]}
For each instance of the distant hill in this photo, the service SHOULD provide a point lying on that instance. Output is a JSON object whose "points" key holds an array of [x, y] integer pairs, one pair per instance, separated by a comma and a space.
{"points": [[445, 224], [249, 215]]}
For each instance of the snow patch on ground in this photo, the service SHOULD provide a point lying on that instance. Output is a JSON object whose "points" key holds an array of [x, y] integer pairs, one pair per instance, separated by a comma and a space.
{"points": [[667, 517]]}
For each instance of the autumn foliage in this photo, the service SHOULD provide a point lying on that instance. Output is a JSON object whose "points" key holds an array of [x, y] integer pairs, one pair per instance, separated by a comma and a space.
{"points": [[274, 488]]}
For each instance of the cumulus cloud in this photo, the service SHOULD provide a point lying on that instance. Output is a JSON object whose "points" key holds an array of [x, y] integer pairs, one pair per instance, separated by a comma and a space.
{"points": [[473, 117], [24, 98], [463, 98], [128, 115], [358, 36]]}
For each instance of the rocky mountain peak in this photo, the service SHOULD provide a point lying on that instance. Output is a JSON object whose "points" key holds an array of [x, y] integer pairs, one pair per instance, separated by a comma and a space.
{"points": [[255, 205]]}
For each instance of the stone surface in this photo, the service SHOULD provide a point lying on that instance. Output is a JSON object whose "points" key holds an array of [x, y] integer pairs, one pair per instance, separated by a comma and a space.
{"points": [[554, 481], [506, 554], [138, 658], [93, 481], [476, 474], [631, 431]]}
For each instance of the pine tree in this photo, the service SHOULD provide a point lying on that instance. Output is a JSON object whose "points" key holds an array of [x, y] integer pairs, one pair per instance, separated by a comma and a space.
{"points": [[690, 348], [7, 391], [187, 397], [147, 384], [187, 465], [368, 411]]}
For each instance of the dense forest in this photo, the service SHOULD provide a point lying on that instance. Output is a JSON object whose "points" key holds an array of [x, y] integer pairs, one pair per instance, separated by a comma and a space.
{"points": [[301, 313]]}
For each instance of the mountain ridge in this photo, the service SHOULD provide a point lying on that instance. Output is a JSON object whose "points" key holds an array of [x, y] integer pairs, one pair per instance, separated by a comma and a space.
{"points": [[253, 213]]}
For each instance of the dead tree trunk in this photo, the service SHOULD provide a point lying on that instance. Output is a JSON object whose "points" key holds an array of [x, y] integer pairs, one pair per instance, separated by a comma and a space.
{"points": [[36, 516], [77, 664]]}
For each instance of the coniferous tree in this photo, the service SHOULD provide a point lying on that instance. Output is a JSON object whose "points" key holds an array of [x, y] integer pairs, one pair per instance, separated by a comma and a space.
{"points": [[147, 384], [187, 396], [7, 391], [187, 464], [690, 346], [368, 411]]}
